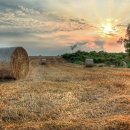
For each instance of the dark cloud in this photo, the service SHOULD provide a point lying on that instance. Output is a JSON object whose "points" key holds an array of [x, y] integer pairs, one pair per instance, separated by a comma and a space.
{"points": [[14, 4], [112, 34], [121, 25], [12, 34], [100, 43], [81, 43], [16, 32], [80, 21]]}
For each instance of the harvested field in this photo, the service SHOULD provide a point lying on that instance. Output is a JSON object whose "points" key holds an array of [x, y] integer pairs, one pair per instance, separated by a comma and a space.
{"points": [[64, 96]]}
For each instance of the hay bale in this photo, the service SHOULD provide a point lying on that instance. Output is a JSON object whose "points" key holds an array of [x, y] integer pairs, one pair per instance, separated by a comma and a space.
{"points": [[89, 63], [43, 61], [124, 64], [14, 63]]}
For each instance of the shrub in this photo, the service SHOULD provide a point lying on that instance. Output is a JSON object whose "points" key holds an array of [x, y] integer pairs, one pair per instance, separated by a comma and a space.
{"points": [[98, 57], [128, 64]]}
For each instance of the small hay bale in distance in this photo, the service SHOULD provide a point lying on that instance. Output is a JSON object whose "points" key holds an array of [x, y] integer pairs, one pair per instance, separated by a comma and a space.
{"points": [[14, 63], [89, 63], [43, 61], [124, 64]]}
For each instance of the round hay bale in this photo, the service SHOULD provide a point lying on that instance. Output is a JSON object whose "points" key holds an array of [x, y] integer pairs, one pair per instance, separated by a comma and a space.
{"points": [[89, 63], [43, 61], [124, 64], [14, 63]]}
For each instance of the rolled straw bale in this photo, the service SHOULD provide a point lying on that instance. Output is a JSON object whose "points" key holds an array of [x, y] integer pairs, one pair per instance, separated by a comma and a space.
{"points": [[89, 63], [124, 64], [43, 61], [14, 62]]}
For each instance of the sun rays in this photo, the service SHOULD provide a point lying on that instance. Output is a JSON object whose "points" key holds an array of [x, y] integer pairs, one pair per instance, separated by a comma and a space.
{"points": [[108, 29]]}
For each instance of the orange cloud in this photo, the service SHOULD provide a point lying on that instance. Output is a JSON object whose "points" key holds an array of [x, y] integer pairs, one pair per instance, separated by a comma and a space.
{"points": [[112, 46], [92, 45]]}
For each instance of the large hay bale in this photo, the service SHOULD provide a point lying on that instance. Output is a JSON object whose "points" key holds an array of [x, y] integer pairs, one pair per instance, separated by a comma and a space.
{"points": [[14, 63], [89, 63]]}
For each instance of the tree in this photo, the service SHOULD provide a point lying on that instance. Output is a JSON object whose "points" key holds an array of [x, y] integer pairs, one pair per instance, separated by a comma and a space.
{"points": [[126, 40]]}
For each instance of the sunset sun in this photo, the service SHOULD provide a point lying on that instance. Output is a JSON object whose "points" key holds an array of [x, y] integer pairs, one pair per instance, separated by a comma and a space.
{"points": [[108, 29]]}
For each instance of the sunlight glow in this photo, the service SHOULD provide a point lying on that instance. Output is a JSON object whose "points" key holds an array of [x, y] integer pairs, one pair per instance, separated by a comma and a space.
{"points": [[108, 28]]}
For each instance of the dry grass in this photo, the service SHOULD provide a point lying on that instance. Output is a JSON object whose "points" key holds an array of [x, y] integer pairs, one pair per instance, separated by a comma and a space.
{"points": [[66, 97]]}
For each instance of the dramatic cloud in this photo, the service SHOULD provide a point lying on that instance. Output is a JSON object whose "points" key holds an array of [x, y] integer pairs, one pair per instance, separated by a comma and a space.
{"points": [[50, 27]]}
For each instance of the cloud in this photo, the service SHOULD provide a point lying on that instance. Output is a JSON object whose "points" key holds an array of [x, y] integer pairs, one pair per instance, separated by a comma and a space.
{"points": [[111, 46], [89, 45], [57, 24], [24, 18], [29, 11], [99, 43], [93, 45], [81, 43], [121, 25], [80, 21]]}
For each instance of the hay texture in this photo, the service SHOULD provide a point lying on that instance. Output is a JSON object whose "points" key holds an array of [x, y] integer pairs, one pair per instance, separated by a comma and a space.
{"points": [[89, 63], [14, 63]]}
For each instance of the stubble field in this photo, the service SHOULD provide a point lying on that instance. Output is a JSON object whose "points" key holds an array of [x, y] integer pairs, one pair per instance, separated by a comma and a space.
{"points": [[63, 96]]}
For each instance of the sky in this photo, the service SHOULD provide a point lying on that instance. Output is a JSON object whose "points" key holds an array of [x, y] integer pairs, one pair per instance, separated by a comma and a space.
{"points": [[51, 27]]}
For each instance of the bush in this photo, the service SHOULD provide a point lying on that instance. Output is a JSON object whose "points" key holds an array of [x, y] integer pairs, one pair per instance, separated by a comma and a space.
{"points": [[99, 57], [128, 64]]}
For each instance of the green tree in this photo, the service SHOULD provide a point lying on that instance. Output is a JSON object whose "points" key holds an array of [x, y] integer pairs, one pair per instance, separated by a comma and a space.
{"points": [[126, 41]]}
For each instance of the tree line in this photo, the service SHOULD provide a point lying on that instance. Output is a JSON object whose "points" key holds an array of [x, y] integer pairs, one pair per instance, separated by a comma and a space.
{"points": [[98, 57]]}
